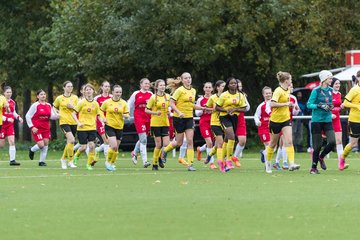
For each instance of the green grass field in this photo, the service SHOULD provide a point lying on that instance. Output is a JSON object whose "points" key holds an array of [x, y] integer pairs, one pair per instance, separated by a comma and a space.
{"points": [[137, 203]]}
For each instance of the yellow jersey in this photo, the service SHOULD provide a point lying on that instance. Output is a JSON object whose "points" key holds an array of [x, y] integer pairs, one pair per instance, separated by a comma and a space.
{"points": [[228, 100], [61, 103], [280, 114], [87, 114], [353, 96], [185, 101], [3, 101], [214, 121], [159, 103], [114, 112]]}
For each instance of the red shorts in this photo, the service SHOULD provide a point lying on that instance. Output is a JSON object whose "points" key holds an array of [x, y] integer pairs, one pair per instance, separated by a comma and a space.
{"points": [[41, 135], [100, 128], [171, 129], [205, 130], [264, 136], [337, 125], [142, 127], [7, 130], [241, 126]]}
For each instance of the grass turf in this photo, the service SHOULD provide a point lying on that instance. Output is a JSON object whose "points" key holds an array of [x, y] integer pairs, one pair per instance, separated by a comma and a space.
{"points": [[137, 203]]}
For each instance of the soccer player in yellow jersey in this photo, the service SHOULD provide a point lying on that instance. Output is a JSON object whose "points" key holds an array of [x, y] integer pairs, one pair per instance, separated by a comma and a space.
{"points": [[116, 110], [64, 106], [183, 103], [352, 101], [280, 121], [158, 107], [229, 104], [88, 109]]}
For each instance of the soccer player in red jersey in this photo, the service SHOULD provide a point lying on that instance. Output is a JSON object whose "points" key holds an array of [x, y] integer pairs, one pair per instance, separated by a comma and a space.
{"points": [[338, 106], [137, 103], [38, 119]]}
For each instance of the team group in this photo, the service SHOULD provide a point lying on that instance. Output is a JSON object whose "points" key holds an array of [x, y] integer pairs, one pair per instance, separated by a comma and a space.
{"points": [[169, 119]]}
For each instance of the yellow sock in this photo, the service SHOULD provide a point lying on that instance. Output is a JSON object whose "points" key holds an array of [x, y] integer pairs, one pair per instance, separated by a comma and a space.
{"points": [[347, 150], [70, 151], [190, 155], [219, 154], [224, 150], [168, 148], [78, 153], [269, 153], [110, 155], [156, 156], [114, 157], [291, 154], [213, 151], [91, 157], [64, 156], [230, 149]]}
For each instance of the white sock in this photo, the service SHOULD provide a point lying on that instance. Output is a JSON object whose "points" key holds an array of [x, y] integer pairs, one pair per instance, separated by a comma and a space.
{"points": [[106, 149], [12, 152], [174, 152], [278, 155], [137, 147], [77, 146], [284, 154], [35, 148], [143, 152], [339, 149], [238, 150], [203, 148], [183, 149], [43, 153], [100, 148]]}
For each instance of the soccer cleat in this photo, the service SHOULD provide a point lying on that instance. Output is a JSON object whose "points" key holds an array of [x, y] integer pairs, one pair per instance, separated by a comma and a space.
{"points": [[285, 166], [213, 166], [31, 154], [207, 160], [109, 167], [93, 163], [183, 161], [76, 159], [236, 161], [146, 164], [155, 168], [314, 171], [221, 166], [277, 166], [14, 163], [268, 167], [342, 164], [42, 164], [163, 155], [191, 168], [71, 164], [161, 163], [89, 167], [134, 157], [294, 167], [262, 156], [63, 164], [229, 164], [198, 154], [322, 163]]}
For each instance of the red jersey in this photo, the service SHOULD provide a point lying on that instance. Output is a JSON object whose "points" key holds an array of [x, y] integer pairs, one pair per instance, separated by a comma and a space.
{"points": [[262, 115], [204, 117], [336, 97], [138, 102], [39, 115], [100, 99], [292, 110], [10, 115]]}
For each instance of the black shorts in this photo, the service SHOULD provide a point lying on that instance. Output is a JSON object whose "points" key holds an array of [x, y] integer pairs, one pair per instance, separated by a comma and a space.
{"points": [[217, 130], [229, 121], [275, 127], [159, 131], [86, 136], [354, 129], [319, 127], [113, 132], [182, 124], [69, 128]]}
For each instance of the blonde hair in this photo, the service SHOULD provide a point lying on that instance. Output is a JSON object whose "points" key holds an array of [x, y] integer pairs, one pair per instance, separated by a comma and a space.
{"points": [[265, 88], [90, 86], [173, 84], [283, 76]]}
